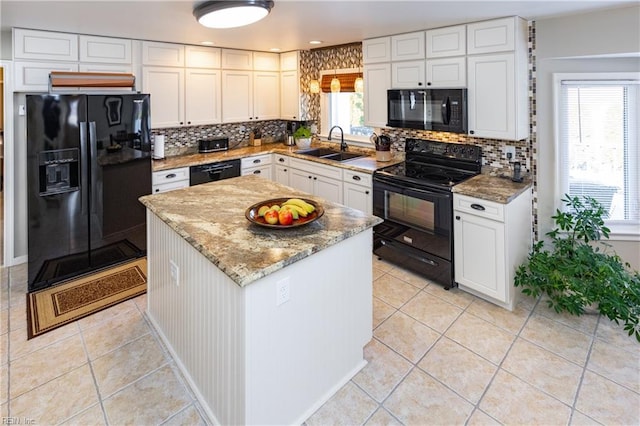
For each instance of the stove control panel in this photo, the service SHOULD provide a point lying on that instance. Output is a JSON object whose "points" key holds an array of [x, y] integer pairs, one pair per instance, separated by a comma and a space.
{"points": [[443, 149]]}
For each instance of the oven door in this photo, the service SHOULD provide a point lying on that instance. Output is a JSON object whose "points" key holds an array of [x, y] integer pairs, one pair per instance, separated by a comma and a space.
{"points": [[417, 228]]}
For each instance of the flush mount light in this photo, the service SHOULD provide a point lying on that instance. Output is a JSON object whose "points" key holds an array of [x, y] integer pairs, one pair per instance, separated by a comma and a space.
{"points": [[231, 14]]}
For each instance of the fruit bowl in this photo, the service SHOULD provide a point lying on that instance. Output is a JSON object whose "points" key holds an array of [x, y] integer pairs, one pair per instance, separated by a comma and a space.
{"points": [[253, 216]]}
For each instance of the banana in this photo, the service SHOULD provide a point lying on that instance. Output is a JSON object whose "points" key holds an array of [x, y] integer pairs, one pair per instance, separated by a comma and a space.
{"points": [[294, 207], [301, 203]]}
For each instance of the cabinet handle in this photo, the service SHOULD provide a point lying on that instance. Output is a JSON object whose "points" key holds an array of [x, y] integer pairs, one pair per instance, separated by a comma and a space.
{"points": [[170, 176], [457, 217], [281, 160], [257, 161], [356, 177], [256, 172], [477, 207]]}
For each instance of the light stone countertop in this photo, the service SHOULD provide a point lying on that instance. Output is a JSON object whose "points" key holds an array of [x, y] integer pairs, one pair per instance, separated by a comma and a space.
{"points": [[366, 164], [211, 217], [492, 188]]}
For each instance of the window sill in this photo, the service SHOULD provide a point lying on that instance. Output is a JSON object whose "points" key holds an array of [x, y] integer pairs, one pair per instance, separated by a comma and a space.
{"points": [[624, 231]]}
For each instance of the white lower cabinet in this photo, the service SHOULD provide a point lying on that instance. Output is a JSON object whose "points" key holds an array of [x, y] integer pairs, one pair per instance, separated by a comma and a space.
{"points": [[168, 180], [281, 169], [357, 192], [317, 179], [259, 165], [490, 241]]}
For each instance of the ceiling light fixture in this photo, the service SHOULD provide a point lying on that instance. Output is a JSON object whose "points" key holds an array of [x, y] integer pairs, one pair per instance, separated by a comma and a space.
{"points": [[231, 14]]}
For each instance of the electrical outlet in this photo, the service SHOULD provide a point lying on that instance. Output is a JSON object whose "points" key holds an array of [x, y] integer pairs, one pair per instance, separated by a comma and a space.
{"points": [[175, 273], [283, 291], [509, 152]]}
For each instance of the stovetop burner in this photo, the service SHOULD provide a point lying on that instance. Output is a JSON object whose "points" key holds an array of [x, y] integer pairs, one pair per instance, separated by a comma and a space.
{"points": [[435, 164]]}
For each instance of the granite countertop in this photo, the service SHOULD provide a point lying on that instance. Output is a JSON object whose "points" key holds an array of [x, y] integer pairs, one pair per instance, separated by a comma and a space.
{"points": [[492, 188], [211, 217], [366, 164]]}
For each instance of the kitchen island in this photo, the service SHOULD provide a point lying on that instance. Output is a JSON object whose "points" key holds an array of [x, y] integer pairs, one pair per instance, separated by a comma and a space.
{"points": [[265, 324]]}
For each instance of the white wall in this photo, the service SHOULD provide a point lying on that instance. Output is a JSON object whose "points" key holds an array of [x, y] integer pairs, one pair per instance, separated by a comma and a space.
{"points": [[603, 41]]}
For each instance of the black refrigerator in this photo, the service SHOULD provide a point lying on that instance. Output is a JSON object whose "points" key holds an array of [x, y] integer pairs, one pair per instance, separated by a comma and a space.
{"points": [[88, 162]]}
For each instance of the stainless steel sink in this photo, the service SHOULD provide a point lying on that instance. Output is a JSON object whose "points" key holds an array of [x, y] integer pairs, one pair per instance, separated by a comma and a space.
{"points": [[329, 154]]}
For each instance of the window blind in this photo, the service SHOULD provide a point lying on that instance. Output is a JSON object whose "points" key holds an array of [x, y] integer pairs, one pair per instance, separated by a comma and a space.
{"points": [[599, 145]]}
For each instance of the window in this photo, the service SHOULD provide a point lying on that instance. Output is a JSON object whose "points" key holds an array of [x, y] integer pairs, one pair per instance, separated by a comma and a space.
{"points": [[598, 142], [344, 109]]}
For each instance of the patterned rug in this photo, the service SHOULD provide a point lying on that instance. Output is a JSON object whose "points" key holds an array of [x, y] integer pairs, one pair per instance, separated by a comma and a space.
{"points": [[69, 301]]}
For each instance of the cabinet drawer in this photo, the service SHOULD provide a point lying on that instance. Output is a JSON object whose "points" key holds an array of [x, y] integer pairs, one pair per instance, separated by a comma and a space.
{"points": [[357, 178], [173, 175], [478, 207], [255, 161], [316, 169], [282, 160], [264, 171], [170, 186]]}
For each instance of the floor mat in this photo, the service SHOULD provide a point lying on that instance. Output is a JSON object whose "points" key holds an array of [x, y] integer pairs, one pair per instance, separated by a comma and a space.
{"points": [[71, 300]]}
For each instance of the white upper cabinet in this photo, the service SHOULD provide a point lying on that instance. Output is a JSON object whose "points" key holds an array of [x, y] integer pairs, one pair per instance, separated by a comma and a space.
{"points": [[447, 72], [237, 59], [166, 86], [44, 45], [407, 74], [264, 61], [290, 95], [237, 96], [162, 54], [32, 76], [498, 35], [266, 95], [203, 96], [446, 42], [407, 47], [376, 50], [105, 50], [202, 57], [377, 80], [289, 61]]}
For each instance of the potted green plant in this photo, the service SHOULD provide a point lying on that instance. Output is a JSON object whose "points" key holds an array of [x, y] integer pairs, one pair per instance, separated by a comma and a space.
{"points": [[302, 136], [575, 274]]}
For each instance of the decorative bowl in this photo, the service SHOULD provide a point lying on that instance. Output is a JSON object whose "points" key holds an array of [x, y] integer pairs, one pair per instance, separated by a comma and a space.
{"points": [[252, 214]]}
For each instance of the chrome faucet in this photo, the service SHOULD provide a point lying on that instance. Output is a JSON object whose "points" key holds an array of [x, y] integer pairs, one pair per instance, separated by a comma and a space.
{"points": [[343, 144]]}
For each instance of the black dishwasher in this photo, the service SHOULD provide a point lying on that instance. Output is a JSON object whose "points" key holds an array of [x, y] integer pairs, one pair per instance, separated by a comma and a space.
{"points": [[214, 171]]}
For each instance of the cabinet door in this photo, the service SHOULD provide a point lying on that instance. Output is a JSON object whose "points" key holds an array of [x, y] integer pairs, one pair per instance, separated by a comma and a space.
{"points": [[202, 57], [445, 42], [281, 174], [266, 95], [327, 188], [237, 59], [407, 47], [358, 197], [301, 180], [491, 96], [376, 50], [237, 96], [377, 80], [162, 54], [44, 45], [105, 50], [34, 76], [289, 61], [493, 36], [202, 96], [166, 86], [447, 72], [264, 61], [480, 255], [407, 75], [289, 95]]}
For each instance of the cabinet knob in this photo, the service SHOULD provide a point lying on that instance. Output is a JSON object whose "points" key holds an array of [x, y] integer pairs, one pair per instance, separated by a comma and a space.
{"points": [[188, 122], [257, 118], [285, 170], [428, 83], [419, 83], [310, 177], [457, 217], [471, 132], [315, 178], [181, 123], [366, 192]]}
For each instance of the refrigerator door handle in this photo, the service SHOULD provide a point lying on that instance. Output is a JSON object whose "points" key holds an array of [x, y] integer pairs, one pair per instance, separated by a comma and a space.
{"points": [[84, 160], [93, 153]]}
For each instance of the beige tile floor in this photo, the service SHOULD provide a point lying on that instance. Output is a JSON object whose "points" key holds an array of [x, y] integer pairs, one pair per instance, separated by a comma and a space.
{"points": [[437, 357]]}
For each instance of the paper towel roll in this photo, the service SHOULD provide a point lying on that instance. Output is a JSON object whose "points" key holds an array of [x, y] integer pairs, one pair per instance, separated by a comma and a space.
{"points": [[158, 147]]}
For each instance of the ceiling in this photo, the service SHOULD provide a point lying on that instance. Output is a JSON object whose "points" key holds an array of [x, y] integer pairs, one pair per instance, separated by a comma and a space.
{"points": [[290, 25]]}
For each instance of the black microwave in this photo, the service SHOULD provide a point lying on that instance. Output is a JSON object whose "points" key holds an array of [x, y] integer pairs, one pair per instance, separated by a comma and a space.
{"points": [[442, 110]]}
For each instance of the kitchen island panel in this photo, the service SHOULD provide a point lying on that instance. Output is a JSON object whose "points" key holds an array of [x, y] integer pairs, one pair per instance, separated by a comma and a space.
{"points": [[249, 359]]}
